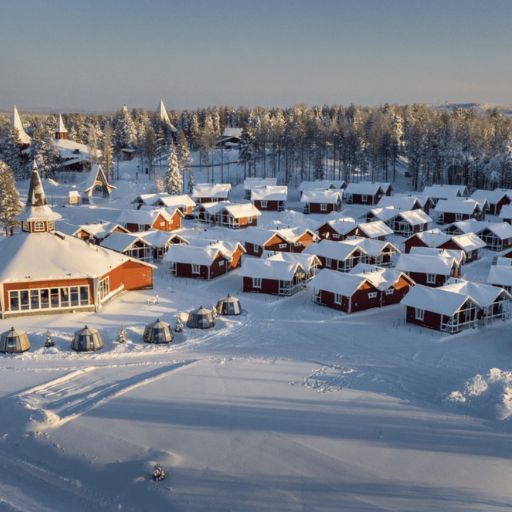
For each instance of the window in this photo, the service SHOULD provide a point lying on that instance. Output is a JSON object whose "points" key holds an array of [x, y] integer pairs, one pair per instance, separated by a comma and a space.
{"points": [[221, 263], [390, 291], [335, 236], [263, 204], [337, 298], [14, 301], [458, 216], [364, 199], [323, 207], [419, 314], [431, 278], [103, 289], [48, 298], [196, 269], [38, 226], [256, 282], [84, 293], [372, 295], [282, 246], [328, 262]]}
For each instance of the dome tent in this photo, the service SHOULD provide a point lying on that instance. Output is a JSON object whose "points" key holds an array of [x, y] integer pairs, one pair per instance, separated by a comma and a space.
{"points": [[14, 342], [157, 332], [201, 318], [229, 306], [87, 340]]}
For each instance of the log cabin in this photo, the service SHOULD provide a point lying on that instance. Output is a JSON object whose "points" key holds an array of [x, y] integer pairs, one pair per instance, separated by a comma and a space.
{"points": [[321, 201], [448, 211], [338, 229], [270, 198], [375, 230], [340, 256], [130, 245], [366, 192], [429, 269], [254, 182], [257, 240], [161, 241]]}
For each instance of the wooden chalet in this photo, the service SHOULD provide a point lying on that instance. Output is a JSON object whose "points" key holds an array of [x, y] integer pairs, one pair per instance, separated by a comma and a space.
{"points": [[365, 287], [458, 305], [231, 215], [145, 220], [270, 198], [448, 211], [406, 202], [437, 192], [429, 269], [376, 230], [130, 245], [257, 240], [160, 241], [231, 138], [366, 192], [253, 182], [340, 256], [204, 261], [378, 252], [208, 193], [338, 229], [97, 232], [308, 186], [500, 275], [44, 271], [402, 222], [506, 213], [495, 199], [282, 274], [183, 202], [496, 235], [321, 201]]}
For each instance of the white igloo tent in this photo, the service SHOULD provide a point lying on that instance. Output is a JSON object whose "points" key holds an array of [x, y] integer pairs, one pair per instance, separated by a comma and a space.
{"points": [[229, 305], [158, 332], [87, 340], [14, 342]]}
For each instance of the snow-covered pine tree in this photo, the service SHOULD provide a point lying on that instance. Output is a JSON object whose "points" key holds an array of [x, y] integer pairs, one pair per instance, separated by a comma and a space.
{"points": [[107, 152], [174, 177], [12, 152], [10, 205]]}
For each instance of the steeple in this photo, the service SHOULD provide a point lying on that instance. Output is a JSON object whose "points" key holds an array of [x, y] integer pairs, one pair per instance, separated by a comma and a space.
{"points": [[61, 131], [37, 217], [164, 116], [16, 123]]}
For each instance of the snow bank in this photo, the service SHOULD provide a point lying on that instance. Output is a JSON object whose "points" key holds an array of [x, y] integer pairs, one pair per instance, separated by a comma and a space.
{"points": [[488, 395]]}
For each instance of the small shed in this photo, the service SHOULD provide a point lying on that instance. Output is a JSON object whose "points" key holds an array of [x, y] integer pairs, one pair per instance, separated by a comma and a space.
{"points": [[158, 332], [14, 342], [87, 340], [74, 198], [229, 305], [201, 318]]}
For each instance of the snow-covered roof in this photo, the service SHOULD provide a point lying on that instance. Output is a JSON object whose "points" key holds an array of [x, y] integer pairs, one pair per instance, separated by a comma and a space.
{"points": [[68, 149], [334, 250], [159, 238], [97, 229], [365, 188], [502, 230], [306, 261], [121, 242], [468, 242], [201, 254], [144, 217], [381, 278], [342, 225], [260, 236], [491, 196], [96, 174], [36, 207], [270, 193], [171, 201], [250, 183], [436, 300], [232, 132], [401, 202], [456, 254], [337, 282], [61, 127], [500, 275], [372, 247], [484, 294], [241, 210], [16, 123], [502, 260], [432, 237], [506, 212], [321, 196], [469, 226], [425, 263], [321, 185], [270, 269], [445, 191], [415, 217], [217, 190], [375, 229], [458, 205], [385, 214], [29, 257]]}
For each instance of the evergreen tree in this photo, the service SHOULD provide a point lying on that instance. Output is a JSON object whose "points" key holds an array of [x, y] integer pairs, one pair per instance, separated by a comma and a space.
{"points": [[12, 153], [10, 205], [174, 177], [107, 150]]}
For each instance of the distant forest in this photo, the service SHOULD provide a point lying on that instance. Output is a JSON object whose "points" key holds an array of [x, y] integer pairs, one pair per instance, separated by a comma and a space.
{"points": [[457, 145]]}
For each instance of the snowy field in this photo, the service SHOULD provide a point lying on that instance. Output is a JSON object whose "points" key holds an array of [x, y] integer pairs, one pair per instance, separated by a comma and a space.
{"points": [[289, 407]]}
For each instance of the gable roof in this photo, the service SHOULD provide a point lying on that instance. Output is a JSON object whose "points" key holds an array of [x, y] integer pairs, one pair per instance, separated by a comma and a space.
{"points": [[468, 242], [338, 282], [253, 182], [380, 277], [502, 230], [491, 196], [98, 229], [445, 191], [97, 175], [320, 185], [217, 190], [16, 123], [365, 188], [375, 229], [432, 237], [425, 263], [342, 225], [273, 269], [145, 217], [386, 213], [484, 294], [270, 193], [436, 300], [334, 250], [240, 210], [456, 254], [415, 217], [306, 261], [202, 254], [401, 202], [121, 242], [372, 247], [159, 238], [458, 205], [506, 212], [321, 196], [500, 275]]}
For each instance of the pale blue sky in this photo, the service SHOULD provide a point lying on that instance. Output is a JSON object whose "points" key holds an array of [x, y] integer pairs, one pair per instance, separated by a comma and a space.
{"points": [[99, 54]]}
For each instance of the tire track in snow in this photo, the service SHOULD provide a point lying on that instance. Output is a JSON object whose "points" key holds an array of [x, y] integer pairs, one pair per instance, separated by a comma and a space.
{"points": [[66, 398]]}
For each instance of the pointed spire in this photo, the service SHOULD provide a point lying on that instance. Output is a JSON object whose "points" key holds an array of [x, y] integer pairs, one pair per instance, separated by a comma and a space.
{"points": [[125, 109], [16, 123], [61, 127], [36, 195], [164, 116]]}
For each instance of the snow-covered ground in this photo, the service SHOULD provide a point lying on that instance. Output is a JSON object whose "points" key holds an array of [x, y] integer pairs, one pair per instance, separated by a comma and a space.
{"points": [[290, 406]]}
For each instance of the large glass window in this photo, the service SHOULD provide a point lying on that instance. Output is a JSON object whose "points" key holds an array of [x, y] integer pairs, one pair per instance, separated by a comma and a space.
{"points": [[48, 298], [14, 300], [104, 288]]}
